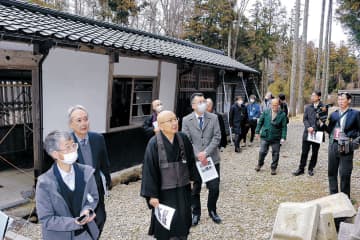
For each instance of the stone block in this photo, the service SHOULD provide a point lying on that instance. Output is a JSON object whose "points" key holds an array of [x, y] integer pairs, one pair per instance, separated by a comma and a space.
{"points": [[326, 229], [345, 231], [338, 204], [296, 221]]}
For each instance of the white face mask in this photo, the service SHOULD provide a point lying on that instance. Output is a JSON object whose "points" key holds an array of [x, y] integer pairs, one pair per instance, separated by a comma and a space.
{"points": [[201, 108], [252, 100], [70, 158], [159, 108], [240, 102]]}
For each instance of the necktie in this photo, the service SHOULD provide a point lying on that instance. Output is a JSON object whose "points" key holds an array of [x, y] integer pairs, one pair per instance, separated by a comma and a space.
{"points": [[200, 122], [83, 141]]}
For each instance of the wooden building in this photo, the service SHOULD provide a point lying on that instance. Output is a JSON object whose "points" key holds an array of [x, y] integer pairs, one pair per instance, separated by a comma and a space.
{"points": [[50, 60]]}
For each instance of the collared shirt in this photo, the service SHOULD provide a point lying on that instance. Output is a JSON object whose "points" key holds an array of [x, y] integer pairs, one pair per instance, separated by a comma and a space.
{"points": [[198, 119], [85, 149], [68, 177], [80, 140], [343, 119]]}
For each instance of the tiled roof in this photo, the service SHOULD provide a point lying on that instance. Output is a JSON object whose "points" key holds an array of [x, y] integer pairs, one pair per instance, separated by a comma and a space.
{"points": [[31, 21]]}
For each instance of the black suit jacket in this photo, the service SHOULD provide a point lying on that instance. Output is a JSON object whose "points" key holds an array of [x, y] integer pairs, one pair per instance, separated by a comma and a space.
{"points": [[100, 161], [310, 119], [352, 123]]}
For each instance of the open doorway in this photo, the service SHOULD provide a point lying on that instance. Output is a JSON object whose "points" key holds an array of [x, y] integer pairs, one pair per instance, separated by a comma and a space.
{"points": [[16, 136]]}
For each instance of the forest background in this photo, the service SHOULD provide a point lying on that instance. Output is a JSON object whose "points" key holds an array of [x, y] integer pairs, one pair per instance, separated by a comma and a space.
{"points": [[261, 35]]}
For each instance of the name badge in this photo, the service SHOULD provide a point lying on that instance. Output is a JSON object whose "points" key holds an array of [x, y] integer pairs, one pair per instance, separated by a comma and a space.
{"points": [[337, 133], [90, 198]]}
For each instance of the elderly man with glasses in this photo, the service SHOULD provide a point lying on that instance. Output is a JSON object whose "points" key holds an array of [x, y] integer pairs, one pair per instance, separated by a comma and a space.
{"points": [[344, 132], [92, 151], [66, 194], [169, 165]]}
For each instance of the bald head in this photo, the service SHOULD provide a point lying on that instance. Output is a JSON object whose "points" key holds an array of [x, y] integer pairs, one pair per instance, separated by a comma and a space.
{"points": [[168, 123], [275, 104]]}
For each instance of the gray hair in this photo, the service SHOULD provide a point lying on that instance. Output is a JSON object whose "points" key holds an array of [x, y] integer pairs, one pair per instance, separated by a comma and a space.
{"points": [[76, 107], [52, 140]]}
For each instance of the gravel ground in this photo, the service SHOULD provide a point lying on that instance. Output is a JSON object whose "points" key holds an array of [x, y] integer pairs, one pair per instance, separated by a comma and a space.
{"points": [[248, 200]]}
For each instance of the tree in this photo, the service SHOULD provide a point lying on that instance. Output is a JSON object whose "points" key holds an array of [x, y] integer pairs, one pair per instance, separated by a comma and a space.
{"points": [[210, 23], [294, 60], [325, 72], [319, 54], [121, 10], [240, 14], [349, 15], [300, 100]]}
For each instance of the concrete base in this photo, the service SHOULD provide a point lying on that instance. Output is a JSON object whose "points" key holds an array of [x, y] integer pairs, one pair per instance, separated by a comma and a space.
{"points": [[126, 175], [338, 204], [296, 221], [14, 183], [326, 229]]}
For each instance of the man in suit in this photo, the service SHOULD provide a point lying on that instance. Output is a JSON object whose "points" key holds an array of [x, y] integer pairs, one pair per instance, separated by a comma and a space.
{"points": [[202, 128], [92, 151], [272, 124], [344, 132], [237, 120], [65, 192], [312, 123]]}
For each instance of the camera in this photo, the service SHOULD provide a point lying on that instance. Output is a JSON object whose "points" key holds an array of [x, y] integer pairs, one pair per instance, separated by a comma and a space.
{"points": [[322, 112]]}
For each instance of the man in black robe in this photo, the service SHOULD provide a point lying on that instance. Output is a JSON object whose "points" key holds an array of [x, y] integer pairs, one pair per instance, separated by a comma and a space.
{"points": [[169, 165]]}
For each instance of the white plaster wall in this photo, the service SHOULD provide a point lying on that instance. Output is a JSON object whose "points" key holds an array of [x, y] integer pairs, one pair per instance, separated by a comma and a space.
{"points": [[168, 85], [136, 67], [72, 77], [15, 46]]}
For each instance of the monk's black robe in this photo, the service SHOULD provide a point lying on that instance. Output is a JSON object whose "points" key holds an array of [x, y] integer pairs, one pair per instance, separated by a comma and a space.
{"points": [[178, 198]]}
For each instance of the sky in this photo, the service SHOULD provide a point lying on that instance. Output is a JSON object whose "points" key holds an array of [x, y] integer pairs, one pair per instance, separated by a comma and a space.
{"points": [[338, 34]]}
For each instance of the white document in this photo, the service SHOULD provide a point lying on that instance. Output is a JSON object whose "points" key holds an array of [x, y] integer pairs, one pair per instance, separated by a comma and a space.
{"points": [[155, 124], [316, 137], [4, 220], [164, 214], [207, 172]]}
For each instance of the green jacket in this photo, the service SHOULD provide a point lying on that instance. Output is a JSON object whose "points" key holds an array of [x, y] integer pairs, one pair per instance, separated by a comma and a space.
{"points": [[272, 130]]}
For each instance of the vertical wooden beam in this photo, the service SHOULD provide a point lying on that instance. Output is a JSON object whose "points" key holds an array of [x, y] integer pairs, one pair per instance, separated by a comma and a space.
{"points": [[110, 88], [156, 89], [37, 122]]}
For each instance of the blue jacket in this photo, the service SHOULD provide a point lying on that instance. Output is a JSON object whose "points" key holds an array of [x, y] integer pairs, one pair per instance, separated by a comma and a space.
{"points": [[253, 110], [352, 123]]}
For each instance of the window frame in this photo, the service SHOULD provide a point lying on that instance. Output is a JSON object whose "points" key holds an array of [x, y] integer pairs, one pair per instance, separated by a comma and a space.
{"points": [[133, 79]]}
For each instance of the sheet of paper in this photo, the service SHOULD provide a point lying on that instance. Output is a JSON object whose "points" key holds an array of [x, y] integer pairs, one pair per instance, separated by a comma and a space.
{"points": [[207, 172], [316, 137], [164, 214], [4, 219]]}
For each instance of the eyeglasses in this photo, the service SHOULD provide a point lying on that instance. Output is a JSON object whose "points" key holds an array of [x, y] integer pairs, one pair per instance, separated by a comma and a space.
{"points": [[172, 120], [70, 148]]}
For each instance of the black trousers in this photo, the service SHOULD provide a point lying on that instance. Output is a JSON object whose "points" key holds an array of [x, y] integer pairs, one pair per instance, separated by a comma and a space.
{"points": [[264, 149], [305, 152], [251, 127], [213, 187], [243, 132], [100, 212], [237, 141], [342, 164]]}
